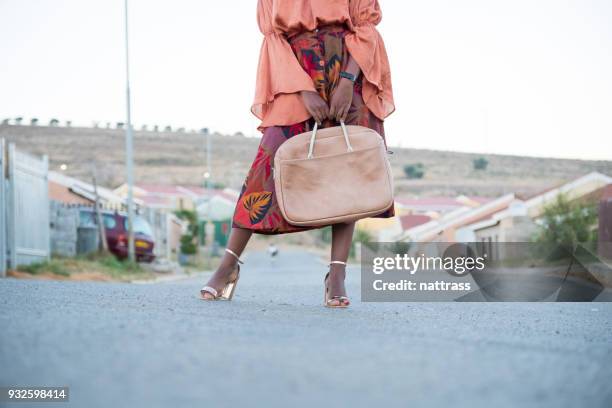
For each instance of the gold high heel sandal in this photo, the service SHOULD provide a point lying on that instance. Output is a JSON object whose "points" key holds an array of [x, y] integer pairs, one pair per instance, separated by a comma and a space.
{"points": [[343, 301], [228, 290]]}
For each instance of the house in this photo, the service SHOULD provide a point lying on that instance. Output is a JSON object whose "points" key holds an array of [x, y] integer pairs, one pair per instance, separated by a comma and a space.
{"points": [[412, 212], [70, 190], [166, 227], [218, 205], [436, 206], [214, 207], [166, 197], [519, 221], [444, 227], [216, 212]]}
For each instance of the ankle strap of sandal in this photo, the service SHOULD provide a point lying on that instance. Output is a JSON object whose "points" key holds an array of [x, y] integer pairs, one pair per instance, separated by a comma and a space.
{"points": [[337, 262], [235, 255]]}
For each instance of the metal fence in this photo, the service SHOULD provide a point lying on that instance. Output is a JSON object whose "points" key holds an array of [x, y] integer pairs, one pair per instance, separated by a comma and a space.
{"points": [[24, 208], [3, 193], [68, 234], [167, 230]]}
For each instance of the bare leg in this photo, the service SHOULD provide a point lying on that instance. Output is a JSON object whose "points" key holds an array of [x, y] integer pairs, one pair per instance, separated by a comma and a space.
{"points": [[342, 236], [239, 237]]}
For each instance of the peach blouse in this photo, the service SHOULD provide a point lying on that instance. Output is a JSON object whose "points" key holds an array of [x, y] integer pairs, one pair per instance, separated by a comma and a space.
{"points": [[280, 77]]}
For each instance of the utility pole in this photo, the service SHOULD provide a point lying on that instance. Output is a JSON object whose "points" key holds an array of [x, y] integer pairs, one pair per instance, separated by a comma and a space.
{"points": [[209, 193], [208, 171], [99, 218], [129, 159]]}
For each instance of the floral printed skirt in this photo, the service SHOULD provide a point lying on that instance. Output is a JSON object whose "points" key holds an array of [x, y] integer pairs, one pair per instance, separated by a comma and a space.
{"points": [[322, 54]]}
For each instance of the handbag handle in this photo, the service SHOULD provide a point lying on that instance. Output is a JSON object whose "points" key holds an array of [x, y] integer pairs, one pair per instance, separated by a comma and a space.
{"points": [[349, 148]]}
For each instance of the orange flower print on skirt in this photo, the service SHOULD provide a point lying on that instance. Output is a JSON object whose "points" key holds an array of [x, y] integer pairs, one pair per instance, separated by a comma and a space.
{"points": [[322, 54], [257, 204]]}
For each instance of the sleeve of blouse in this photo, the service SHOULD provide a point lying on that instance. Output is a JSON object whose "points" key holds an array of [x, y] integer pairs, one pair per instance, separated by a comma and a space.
{"points": [[279, 76], [367, 48]]}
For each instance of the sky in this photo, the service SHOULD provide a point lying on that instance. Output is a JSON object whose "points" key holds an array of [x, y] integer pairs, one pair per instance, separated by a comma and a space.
{"points": [[522, 77]]}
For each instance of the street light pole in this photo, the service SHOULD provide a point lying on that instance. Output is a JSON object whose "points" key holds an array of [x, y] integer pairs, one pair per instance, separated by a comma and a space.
{"points": [[208, 171], [207, 176], [129, 146]]}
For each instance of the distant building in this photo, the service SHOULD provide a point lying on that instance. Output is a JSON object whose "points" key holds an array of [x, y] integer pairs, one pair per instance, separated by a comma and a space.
{"points": [[216, 213], [519, 221], [70, 190], [436, 206], [412, 212], [218, 205], [169, 197], [214, 207], [442, 227]]}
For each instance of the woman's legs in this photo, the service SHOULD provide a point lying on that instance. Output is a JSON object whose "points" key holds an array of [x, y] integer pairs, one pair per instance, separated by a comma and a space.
{"points": [[342, 236], [239, 237]]}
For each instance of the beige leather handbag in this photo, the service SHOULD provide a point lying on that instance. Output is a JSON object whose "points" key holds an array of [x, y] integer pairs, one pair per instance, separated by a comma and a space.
{"points": [[333, 175]]}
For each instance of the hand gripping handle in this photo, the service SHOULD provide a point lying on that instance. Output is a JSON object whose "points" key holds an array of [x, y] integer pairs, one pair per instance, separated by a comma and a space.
{"points": [[349, 148]]}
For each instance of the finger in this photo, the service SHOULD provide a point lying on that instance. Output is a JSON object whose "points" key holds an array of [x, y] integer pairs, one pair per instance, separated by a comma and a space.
{"points": [[332, 111], [321, 114], [339, 113], [347, 111], [344, 113], [311, 111], [325, 107], [324, 112], [315, 116]]}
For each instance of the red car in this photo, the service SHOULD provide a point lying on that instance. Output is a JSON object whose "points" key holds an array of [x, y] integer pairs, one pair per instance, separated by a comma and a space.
{"points": [[116, 229]]}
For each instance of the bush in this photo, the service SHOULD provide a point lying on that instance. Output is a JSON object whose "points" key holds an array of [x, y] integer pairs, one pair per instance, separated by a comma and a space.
{"points": [[187, 245], [480, 163], [50, 266], [568, 223], [117, 265], [190, 216], [414, 171], [362, 235]]}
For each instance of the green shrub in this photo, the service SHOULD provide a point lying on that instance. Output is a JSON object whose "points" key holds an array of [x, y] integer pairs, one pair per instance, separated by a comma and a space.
{"points": [[191, 217], [188, 240], [414, 171], [51, 266], [115, 264], [568, 223], [480, 163], [187, 245]]}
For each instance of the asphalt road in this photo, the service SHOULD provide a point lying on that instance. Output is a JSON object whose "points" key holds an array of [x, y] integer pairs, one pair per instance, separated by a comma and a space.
{"points": [[158, 345]]}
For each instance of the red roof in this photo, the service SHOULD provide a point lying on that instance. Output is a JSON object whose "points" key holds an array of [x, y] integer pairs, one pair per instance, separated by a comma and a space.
{"points": [[200, 191], [170, 189], [410, 220], [155, 200], [160, 189]]}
